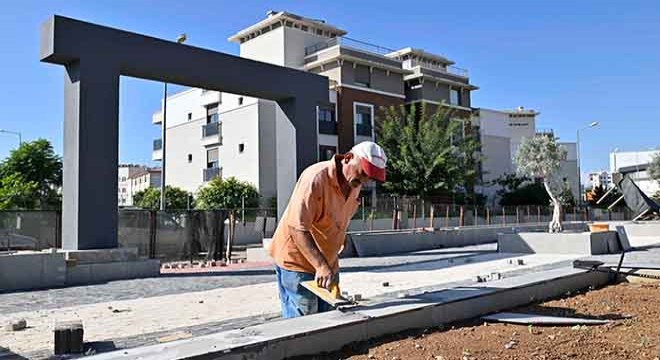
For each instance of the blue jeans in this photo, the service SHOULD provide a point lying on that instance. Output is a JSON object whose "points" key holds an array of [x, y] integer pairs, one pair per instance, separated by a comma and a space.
{"points": [[295, 299]]}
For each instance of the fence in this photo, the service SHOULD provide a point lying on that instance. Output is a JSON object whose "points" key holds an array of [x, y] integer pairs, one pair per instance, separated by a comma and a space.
{"points": [[169, 235], [195, 234], [377, 213]]}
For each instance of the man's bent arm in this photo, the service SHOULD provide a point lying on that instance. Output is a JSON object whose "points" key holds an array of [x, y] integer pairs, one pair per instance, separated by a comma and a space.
{"points": [[305, 243]]}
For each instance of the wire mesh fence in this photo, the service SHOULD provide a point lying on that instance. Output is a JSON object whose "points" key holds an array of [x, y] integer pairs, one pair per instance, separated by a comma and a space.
{"points": [[165, 235], [199, 234], [380, 212]]}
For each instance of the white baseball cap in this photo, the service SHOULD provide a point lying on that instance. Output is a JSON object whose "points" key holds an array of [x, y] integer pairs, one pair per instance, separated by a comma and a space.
{"points": [[372, 159]]}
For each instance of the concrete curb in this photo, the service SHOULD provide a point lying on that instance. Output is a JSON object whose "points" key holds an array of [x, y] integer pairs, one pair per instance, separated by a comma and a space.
{"points": [[331, 331]]}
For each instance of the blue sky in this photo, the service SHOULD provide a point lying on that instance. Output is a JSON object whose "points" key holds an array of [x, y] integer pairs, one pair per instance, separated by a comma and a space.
{"points": [[574, 61]]}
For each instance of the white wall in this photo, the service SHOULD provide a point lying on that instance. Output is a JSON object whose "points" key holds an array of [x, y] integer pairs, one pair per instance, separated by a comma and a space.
{"points": [[240, 126], [286, 159], [268, 47], [295, 42], [631, 158], [519, 128], [184, 139], [494, 123], [180, 104]]}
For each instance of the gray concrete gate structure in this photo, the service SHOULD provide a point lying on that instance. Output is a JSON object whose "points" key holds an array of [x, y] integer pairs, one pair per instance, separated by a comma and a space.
{"points": [[95, 56]]}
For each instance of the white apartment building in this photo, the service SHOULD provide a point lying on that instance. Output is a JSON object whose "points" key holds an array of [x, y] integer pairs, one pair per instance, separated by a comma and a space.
{"points": [[600, 178], [134, 178], [220, 134], [635, 164], [500, 133], [213, 134]]}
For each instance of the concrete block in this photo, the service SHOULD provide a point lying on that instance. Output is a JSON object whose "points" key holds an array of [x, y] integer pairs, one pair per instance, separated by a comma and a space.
{"points": [[97, 256], [258, 254], [102, 272], [584, 243], [68, 338], [16, 325], [31, 270]]}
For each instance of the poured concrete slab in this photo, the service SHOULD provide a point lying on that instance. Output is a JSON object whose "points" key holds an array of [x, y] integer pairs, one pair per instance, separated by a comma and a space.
{"points": [[584, 243], [535, 319]]}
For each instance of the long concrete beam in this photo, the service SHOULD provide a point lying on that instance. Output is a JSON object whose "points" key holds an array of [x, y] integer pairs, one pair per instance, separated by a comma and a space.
{"points": [[331, 331]]}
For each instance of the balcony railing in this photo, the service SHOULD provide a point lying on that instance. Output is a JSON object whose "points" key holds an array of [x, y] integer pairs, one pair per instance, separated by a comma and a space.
{"points": [[211, 129], [211, 173], [453, 70], [158, 144], [328, 127], [348, 42], [363, 130]]}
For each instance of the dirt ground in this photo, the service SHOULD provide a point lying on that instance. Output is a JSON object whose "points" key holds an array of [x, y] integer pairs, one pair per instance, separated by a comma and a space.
{"points": [[633, 332]]}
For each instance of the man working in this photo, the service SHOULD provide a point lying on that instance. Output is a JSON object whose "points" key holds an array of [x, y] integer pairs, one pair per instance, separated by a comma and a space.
{"points": [[312, 231]]}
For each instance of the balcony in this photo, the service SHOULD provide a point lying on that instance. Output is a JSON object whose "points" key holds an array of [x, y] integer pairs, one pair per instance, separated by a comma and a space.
{"points": [[157, 153], [344, 47], [157, 117], [211, 173], [363, 130], [347, 42], [212, 134], [451, 70], [328, 127]]}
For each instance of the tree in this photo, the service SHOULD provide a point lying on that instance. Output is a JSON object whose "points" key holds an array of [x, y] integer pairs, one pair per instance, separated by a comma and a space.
{"points": [[33, 163], [540, 157], [528, 194], [175, 198], [428, 153], [227, 194], [654, 168], [17, 193]]}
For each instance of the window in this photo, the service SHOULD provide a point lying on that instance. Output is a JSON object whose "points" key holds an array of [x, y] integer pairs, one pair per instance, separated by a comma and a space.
{"points": [[123, 190], [189, 158], [327, 123], [240, 100], [123, 178], [363, 120], [212, 115], [319, 32], [241, 148], [189, 116], [326, 152], [362, 75], [454, 96], [304, 28], [212, 158]]}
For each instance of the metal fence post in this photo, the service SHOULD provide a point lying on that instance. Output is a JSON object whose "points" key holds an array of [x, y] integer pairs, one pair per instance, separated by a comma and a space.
{"points": [[153, 229]]}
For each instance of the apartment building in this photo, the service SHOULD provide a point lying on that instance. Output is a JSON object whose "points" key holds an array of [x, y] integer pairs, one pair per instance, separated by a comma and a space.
{"points": [[500, 134], [600, 178], [219, 134], [635, 164], [134, 178]]}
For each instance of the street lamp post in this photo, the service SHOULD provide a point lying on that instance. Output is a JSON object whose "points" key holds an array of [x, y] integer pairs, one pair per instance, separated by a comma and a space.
{"points": [[163, 135], [20, 138], [593, 124]]}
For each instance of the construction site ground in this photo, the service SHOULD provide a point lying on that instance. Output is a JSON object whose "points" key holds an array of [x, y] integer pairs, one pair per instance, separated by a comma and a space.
{"points": [[632, 333], [185, 303]]}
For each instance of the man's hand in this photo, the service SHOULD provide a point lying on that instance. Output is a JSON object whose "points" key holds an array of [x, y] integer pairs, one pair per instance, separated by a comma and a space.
{"points": [[323, 277], [308, 248]]}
